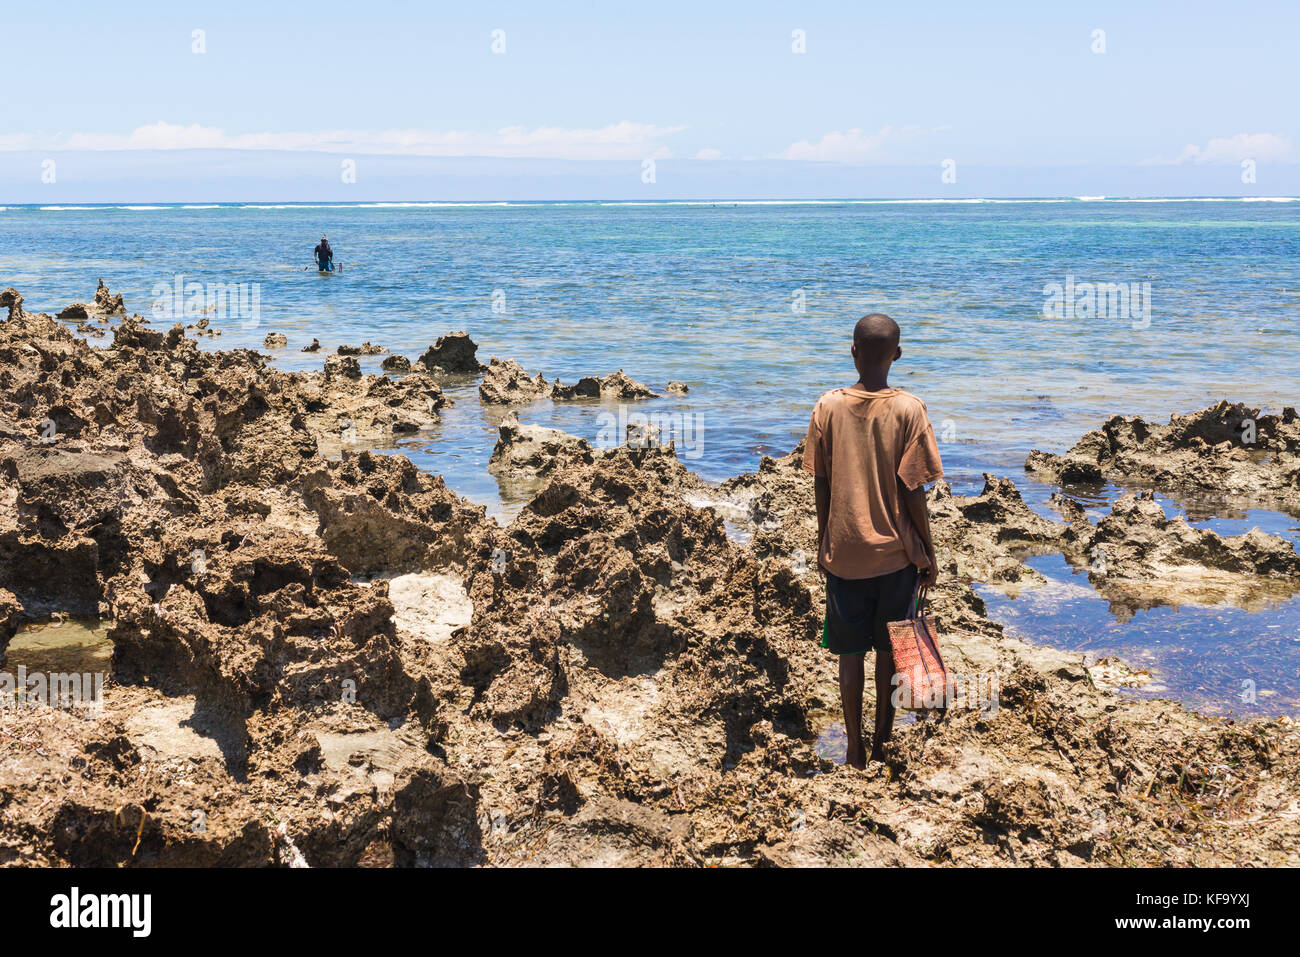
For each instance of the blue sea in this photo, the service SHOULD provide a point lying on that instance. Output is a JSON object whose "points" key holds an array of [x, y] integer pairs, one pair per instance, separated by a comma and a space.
{"points": [[752, 305]]}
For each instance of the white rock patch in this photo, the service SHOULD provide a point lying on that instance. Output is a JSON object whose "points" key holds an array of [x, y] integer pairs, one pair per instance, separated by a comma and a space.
{"points": [[429, 605]]}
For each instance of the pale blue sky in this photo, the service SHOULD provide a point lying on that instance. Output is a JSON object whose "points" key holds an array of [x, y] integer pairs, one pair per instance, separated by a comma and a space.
{"points": [[999, 85]]}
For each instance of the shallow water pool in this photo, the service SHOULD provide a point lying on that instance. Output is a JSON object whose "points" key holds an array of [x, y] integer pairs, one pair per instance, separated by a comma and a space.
{"points": [[1217, 659]]}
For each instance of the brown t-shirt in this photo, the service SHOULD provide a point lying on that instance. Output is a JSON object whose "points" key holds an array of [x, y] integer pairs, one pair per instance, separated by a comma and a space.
{"points": [[865, 444]]}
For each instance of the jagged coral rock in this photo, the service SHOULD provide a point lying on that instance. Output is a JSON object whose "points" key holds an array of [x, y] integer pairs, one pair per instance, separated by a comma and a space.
{"points": [[532, 450], [1228, 448], [505, 382], [455, 352]]}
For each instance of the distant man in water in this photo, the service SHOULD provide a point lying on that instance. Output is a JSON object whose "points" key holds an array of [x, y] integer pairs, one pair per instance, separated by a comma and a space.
{"points": [[324, 256], [872, 451]]}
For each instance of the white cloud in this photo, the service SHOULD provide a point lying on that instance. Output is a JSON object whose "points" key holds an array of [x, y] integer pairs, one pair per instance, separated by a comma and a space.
{"points": [[1269, 147], [709, 153], [853, 146], [618, 141]]}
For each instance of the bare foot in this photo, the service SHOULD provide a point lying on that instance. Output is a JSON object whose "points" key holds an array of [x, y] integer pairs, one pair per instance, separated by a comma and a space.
{"points": [[857, 757], [878, 754]]}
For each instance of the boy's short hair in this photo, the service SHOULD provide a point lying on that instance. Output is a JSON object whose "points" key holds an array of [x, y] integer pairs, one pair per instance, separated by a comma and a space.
{"points": [[876, 337]]}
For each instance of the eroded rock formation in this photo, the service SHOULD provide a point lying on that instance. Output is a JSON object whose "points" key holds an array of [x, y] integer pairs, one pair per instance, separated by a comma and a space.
{"points": [[1228, 448], [453, 353]]}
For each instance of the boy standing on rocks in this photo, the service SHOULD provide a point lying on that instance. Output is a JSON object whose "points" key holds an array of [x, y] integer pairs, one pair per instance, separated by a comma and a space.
{"points": [[872, 451]]}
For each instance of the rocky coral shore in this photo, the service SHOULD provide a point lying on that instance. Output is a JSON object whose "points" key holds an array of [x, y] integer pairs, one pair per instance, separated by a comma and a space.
{"points": [[337, 660]]}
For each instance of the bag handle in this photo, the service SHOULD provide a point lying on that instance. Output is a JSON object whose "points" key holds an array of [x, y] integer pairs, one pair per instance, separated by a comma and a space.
{"points": [[917, 618], [919, 595]]}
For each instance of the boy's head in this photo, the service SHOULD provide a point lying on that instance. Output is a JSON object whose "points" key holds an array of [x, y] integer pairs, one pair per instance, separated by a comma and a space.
{"points": [[875, 343]]}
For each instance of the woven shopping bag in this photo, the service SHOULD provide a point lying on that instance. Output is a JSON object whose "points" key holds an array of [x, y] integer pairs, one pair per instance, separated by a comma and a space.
{"points": [[920, 676]]}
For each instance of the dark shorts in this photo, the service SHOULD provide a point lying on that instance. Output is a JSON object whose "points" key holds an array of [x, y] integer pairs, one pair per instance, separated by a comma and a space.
{"points": [[859, 610]]}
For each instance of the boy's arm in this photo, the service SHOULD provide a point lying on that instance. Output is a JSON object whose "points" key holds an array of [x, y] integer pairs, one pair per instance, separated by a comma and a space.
{"points": [[919, 513], [822, 493]]}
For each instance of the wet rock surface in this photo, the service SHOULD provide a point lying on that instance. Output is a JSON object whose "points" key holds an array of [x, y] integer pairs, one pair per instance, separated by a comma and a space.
{"points": [[617, 385], [342, 663], [588, 387], [986, 537], [455, 352], [1138, 557], [12, 299], [77, 312], [531, 451], [365, 349], [1226, 449], [506, 382], [11, 616], [101, 309], [107, 304]]}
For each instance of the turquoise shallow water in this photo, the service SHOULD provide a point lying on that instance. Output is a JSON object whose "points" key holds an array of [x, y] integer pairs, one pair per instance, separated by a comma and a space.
{"points": [[752, 306], [704, 294]]}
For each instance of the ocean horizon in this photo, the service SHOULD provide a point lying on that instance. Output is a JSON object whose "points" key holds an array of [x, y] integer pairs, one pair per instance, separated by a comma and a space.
{"points": [[788, 201]]}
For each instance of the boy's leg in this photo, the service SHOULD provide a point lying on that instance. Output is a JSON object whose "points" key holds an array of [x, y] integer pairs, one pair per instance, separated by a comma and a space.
{"points": [[852, 678], [896, 590], [884, 703]]}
